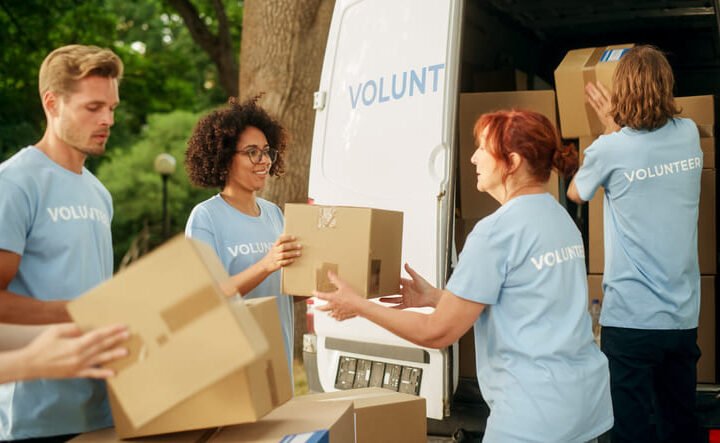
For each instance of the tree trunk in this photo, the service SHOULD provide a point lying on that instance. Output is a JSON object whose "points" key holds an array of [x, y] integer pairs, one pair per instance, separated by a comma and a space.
{"points": [[281, 55]]}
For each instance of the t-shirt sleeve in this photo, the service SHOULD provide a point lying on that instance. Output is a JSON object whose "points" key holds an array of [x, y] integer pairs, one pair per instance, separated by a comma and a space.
{"points": [[200, 227], [481, 269], [592, 173], [15, 217]]}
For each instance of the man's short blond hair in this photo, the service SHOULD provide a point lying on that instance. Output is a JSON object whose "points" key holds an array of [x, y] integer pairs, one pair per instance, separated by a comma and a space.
{"points": [[65, 66]]}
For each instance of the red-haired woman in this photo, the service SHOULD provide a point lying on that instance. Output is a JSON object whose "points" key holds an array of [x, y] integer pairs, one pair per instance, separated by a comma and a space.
{"points": [[521, 283]]}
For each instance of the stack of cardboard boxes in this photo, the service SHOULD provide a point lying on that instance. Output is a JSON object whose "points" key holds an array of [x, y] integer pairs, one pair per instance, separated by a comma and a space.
{"points": [[203, 367], [578, 120]]}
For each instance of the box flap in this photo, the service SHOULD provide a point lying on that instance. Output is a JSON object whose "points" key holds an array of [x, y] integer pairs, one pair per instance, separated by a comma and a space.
{"points": [[184, 335]]}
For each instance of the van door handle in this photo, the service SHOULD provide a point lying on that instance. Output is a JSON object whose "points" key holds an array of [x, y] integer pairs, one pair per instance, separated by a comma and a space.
{"points": [[438, 172]]}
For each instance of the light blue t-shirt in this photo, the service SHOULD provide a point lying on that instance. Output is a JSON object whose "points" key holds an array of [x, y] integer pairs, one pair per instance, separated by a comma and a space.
{"points": [[538, 368], [652, 190], [241, 241], [59, 222]]}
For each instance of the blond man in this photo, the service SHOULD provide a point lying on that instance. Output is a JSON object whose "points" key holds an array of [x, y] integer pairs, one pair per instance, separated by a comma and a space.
{"points": [[55, 240]]}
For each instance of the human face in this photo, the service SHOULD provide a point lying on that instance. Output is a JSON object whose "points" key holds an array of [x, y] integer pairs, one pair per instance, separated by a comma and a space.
{"points": [[82, 119], [245, 174], [488, 169]]}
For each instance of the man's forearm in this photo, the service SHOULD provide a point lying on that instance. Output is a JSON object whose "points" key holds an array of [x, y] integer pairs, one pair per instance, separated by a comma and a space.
{"points": [[18, 309]]}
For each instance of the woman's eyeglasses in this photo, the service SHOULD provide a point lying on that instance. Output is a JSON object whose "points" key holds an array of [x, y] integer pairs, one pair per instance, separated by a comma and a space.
{"points": [[256, 154]]}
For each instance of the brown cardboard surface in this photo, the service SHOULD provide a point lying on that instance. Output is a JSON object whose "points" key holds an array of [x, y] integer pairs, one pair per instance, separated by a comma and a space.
{"points": [[707, 228], [706, 370], [295, 417], [192, 353], [707, 144], [579, 67], [363, 245], [253, 390], [381, 415], [701, 109], [474, 204], [707, 224], [172, 303], [109, 436], [265, 311]]}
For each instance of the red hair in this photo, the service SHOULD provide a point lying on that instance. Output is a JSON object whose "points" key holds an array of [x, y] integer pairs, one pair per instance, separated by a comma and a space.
{"points": [[530, 135]]}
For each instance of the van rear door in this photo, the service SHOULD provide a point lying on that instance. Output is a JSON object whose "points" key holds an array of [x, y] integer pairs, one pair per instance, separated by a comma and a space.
{"points": [[383, 137]]}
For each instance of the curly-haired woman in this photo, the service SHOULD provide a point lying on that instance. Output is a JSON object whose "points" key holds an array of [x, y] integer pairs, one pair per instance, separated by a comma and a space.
{"points": [[235, 149]]}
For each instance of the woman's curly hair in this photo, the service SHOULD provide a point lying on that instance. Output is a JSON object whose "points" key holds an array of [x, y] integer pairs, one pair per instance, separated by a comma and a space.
{"points": [[213, 142]]}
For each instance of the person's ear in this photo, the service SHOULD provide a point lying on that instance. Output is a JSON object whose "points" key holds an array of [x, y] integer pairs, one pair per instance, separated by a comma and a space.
{"points": [[50, 102], [515, 162]]}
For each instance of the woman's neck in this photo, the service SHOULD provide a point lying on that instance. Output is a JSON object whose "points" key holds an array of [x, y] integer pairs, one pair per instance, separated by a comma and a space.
{"points": [[243, 201], [528, 188]]}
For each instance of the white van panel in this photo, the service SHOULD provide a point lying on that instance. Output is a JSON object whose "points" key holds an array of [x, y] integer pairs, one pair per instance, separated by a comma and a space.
{"points": [[381, 139]]}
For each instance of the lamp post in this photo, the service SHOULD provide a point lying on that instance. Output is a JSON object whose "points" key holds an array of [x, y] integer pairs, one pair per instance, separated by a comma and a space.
{"points": [[165, 166]]}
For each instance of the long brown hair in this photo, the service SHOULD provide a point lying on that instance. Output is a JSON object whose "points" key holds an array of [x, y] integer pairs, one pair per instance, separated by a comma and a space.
{"points": [[643, 89]]}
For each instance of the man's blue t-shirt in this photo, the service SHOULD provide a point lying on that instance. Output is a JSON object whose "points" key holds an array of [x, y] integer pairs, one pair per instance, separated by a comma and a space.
{"points": [[652, 190], [241, 241], [59, 223], [538, 367]]}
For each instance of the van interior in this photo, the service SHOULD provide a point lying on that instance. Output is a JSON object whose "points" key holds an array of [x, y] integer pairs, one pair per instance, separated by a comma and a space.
{"points": [[517, 44]]}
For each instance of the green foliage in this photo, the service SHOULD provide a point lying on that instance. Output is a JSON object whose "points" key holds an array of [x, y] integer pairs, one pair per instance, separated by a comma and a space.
{"points": [[164, 69], [136, 188]]}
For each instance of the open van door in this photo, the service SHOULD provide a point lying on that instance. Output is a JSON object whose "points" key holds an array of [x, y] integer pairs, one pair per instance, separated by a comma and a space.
{"points": [[383, 138]]}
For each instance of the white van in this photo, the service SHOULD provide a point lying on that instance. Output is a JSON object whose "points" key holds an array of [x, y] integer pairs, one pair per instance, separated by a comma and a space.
{"points": [[385, 136]]}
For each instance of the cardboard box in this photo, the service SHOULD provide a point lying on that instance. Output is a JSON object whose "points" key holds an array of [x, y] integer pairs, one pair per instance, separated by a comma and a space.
{"points": [[381, 415], [326, 422], [707, 228], [707, 330], [192, 353], [707, 144], [579, 67], [362, 245], [475, 204], [109, 436], [701, 109]]}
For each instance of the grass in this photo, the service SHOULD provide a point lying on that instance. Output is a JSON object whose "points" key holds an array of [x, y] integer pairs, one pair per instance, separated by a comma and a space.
{"points": [[300, 378]]}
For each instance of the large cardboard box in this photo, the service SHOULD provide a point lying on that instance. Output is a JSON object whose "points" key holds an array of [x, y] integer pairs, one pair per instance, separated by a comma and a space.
{"points": [[707, 228], [191, 353], [108, 436], [701, 109], [381, 415], [707, 331], [328, 422], [579, 67], [474, 204], [362, 245]]}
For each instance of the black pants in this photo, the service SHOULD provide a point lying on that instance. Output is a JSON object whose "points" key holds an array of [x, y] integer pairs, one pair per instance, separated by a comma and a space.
{"points": [[652, 382]]}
